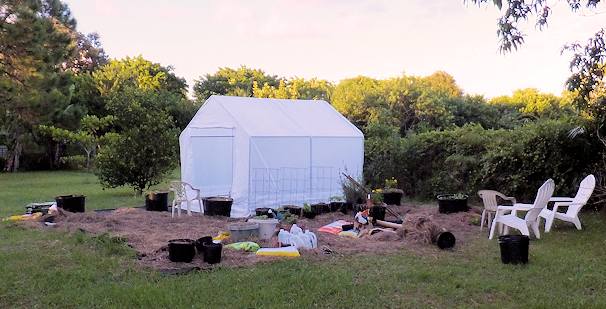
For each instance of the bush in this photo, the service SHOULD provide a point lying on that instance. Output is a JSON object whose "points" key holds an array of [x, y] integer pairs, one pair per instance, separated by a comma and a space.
{"points": [[470, 158], [146, 150]]}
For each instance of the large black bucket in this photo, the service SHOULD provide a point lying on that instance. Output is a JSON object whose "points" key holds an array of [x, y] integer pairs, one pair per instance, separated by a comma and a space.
{"points": [[181, 250], [71, 203], [447, 204], [377, 212], [392, 198], [514, 249], [212, 252], [217, 206], [156, 201]]}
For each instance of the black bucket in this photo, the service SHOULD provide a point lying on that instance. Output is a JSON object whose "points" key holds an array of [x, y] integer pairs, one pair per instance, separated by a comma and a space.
{"points": [[336, 206], [345, 207], [392, 198], [309, 214], [514, 249], [217, 206], [264, 211], [181, 250], [317, 208], [156, 201], [447, 204], [445, 240], [71, 203], [293, 209], [212, 252], [200, 243], [377, 212]]}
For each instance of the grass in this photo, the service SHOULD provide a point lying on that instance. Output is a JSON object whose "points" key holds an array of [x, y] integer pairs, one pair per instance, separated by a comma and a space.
{"points": [[22, 188], [55, 269]]}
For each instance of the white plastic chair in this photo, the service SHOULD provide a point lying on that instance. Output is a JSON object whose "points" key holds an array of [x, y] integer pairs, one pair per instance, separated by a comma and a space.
{"points": [[531, 220], [180, 189], [489, 199], [574, 205]]}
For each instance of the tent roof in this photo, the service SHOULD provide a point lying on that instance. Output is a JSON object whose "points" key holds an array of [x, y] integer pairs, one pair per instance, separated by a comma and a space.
{"points": [[274, 117]]}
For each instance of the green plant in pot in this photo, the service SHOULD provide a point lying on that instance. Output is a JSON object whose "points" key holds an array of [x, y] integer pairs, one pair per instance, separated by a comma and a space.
{"points": [[391, 194], [377, 196], [449, 203]]}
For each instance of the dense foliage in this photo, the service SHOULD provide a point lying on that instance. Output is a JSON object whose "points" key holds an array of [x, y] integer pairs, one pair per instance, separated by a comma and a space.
{"points": [[470, 158]]}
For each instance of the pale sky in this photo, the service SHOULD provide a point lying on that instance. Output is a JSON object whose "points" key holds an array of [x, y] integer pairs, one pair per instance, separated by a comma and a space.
{"points": [[336, 39]]}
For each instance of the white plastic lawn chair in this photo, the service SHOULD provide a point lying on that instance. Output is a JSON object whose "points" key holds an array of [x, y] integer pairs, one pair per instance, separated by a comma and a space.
{"points": [[531, 220], [181, 196], [574, 205], [489, 199]]}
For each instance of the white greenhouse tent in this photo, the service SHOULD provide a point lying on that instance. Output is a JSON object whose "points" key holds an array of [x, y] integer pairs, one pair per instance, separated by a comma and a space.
{"points": [[269, 152]]}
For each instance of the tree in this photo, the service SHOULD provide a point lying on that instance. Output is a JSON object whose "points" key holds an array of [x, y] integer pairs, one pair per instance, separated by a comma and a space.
{"points": [[532, 103], [236, 82], [137, 72], [89, 137], [146, 148], [295, 88], [35, 41], [588, 63], [356, 97]]}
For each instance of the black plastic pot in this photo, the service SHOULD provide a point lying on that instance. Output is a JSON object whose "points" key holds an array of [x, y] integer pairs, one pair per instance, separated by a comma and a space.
{"points": [[392, 198], [217, 206], [264, 211], [295, 210], [444, 240], [323, 207], [317, 208], [181, 250], [212, 253], [448, 204], [377, 212], [72, 203], [347, 227], [514, 249], [309, 214], [346, 207], [201, 241], [336, 206], [156, 201]]}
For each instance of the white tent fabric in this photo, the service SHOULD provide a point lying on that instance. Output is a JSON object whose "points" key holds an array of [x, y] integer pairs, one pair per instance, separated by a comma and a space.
{"points": [[269, 152]]}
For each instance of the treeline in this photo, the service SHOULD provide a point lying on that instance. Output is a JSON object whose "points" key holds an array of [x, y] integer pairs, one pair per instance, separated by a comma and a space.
{"points": [[65, 104]]}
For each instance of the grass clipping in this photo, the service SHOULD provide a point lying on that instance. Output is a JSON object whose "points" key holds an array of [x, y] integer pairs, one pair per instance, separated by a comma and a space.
{"points": [[419, 228]]}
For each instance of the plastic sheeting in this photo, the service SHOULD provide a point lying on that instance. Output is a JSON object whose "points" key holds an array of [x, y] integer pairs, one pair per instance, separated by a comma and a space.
{"points": [[269, 152]]}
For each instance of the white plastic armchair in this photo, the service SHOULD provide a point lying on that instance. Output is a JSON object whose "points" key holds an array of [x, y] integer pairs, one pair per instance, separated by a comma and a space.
{"points": [[574, 205], [181, 189], [489, 199], [531, 220]]}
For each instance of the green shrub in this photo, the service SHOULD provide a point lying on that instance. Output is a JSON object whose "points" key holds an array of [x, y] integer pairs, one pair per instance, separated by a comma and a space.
{"points": [[470, 158]]}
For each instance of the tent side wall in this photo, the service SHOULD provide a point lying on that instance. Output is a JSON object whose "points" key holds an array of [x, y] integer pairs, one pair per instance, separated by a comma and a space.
{"points": [[298, 169]]}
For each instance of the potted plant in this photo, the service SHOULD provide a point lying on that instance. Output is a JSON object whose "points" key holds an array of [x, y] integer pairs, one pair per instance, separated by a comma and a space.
{"points": [[308, 212], [336, 203], [156, 201], [450, 203], [391, 194], [377, 210]]}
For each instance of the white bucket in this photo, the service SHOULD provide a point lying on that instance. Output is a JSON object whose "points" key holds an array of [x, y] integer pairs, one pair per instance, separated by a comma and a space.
{"points": [[267, 227]]}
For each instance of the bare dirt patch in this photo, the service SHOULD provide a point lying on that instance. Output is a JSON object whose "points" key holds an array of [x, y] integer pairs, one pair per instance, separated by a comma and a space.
{"points": [[148, 233]]}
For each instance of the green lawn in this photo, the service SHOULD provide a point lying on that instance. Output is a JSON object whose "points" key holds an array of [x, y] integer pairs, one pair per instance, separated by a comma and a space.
{"points": [[53, 269], [22, 188]]}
